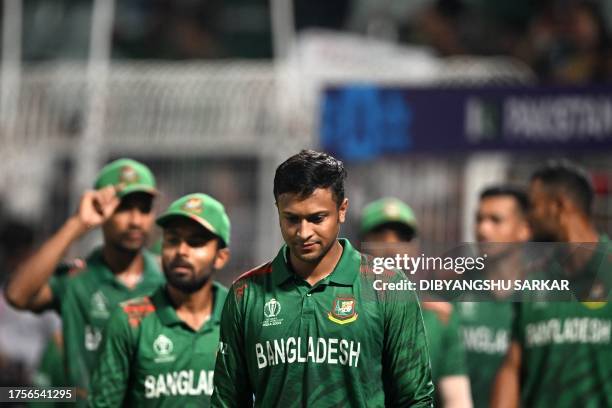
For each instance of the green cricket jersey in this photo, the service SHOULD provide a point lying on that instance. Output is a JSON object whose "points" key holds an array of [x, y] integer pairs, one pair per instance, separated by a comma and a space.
{"points": [[150, 357], [445, 347], [567, 346], [85, 302], [485, 327], [337, 343]]}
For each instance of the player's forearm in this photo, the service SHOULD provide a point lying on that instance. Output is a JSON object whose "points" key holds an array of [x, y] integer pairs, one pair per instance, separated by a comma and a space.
{"points": [[34, 273], [455, 391], [507, 386], [506, 389]]}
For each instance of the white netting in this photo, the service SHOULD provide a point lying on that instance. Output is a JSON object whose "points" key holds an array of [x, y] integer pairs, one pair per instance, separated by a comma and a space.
{"points": [[201, 106], [184, 116]]}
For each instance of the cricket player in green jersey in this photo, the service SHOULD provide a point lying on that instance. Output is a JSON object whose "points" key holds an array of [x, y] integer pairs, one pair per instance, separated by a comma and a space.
{"points": [[308, 328], [389, 227], [561, 352], [121, 205], [501, 223], [160, 350]]}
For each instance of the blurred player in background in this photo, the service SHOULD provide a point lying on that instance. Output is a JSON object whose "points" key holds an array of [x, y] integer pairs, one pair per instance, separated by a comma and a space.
{"points": [[389, 227], [501, 223], [121, 269], [22, 335], [561, 352], [308, 329], [160, 350]]}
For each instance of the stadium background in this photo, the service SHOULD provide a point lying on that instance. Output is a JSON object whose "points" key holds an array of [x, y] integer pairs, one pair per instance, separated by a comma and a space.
{"points": [[213, 95]]}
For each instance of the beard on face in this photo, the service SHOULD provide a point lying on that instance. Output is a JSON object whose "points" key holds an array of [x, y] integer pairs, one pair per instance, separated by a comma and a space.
{"points": [[189, 282], [543, 233], [543, 236]]}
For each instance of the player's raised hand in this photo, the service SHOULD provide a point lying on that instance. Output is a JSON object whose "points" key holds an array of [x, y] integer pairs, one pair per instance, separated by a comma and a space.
{"points": [[97, 206]]}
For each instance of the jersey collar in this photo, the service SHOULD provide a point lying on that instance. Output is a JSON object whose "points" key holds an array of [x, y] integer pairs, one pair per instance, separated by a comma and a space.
{"points": [[220, 293], [150, 271], [344, 273], [167, 312]]}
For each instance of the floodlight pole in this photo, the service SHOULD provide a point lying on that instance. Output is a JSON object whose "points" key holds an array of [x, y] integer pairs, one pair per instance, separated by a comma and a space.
{"points": [[90, 151], [11, 66], [283, 27], [88, 154]]}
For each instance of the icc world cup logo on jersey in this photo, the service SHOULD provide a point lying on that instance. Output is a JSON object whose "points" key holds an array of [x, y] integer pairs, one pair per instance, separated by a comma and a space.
{"points": [[272, 309], [163, 347], [343, 310], [99, 305]]}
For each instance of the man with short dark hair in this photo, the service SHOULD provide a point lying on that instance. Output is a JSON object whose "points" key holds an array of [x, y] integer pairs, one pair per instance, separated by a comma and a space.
{"points": [[501, 227], [502, 215], [308, 329], [121, 205], [562, 193], [160, 350], [561, 352]]}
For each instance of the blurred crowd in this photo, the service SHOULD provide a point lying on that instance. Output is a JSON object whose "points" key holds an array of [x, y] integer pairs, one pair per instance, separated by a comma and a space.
{"points": [[26, 339], [564, 41]]}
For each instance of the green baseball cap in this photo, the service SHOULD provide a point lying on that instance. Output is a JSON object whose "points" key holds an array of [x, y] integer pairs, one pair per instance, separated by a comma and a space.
{"points": [[386, 210], [203, 209], [128, 176]]}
